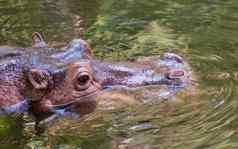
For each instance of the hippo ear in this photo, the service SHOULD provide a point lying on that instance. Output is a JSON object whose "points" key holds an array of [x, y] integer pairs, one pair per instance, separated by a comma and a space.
{"points": [[37, 40], [40, 79]]}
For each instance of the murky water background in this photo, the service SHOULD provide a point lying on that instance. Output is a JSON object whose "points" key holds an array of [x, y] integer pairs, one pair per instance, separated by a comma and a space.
{"points": [[205, 32]]}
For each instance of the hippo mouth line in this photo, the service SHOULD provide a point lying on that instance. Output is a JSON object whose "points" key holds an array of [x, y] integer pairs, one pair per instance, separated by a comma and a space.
{"points": [[78, 99]]}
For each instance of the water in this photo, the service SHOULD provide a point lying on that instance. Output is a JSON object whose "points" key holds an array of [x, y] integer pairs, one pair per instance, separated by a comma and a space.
{"points": [[204, 32]]}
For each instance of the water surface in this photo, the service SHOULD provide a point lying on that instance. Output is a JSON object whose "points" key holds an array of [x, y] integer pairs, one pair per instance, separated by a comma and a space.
{"points": [[204, 32]]}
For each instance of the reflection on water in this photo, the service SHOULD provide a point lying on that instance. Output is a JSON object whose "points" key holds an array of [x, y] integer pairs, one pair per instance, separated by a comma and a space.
{"points": [[19, 19], [204, 32]]}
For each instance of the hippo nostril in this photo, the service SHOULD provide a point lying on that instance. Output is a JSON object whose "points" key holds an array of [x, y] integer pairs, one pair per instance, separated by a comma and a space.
{"points": [[83, 80]]}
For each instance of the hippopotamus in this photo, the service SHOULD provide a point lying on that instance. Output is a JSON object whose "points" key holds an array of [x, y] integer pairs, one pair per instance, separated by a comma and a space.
{"points": [[44, 81]]}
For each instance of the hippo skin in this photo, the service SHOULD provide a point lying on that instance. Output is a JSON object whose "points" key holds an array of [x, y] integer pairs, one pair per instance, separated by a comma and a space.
{"points": [[43, 81]]}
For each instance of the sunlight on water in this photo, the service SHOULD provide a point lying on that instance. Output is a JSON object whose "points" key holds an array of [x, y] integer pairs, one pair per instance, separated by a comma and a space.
{"points": [[203, 32]]}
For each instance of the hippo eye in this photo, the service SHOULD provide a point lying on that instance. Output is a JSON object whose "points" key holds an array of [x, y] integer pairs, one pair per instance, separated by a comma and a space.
{"points": [[83, 81]]}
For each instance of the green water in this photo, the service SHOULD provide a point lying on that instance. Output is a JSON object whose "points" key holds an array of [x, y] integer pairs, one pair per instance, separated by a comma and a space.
{"points": [[205, 32]]}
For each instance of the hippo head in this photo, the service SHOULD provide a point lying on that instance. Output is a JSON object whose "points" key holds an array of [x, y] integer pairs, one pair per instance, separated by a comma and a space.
{"points": [[72, 85]]}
